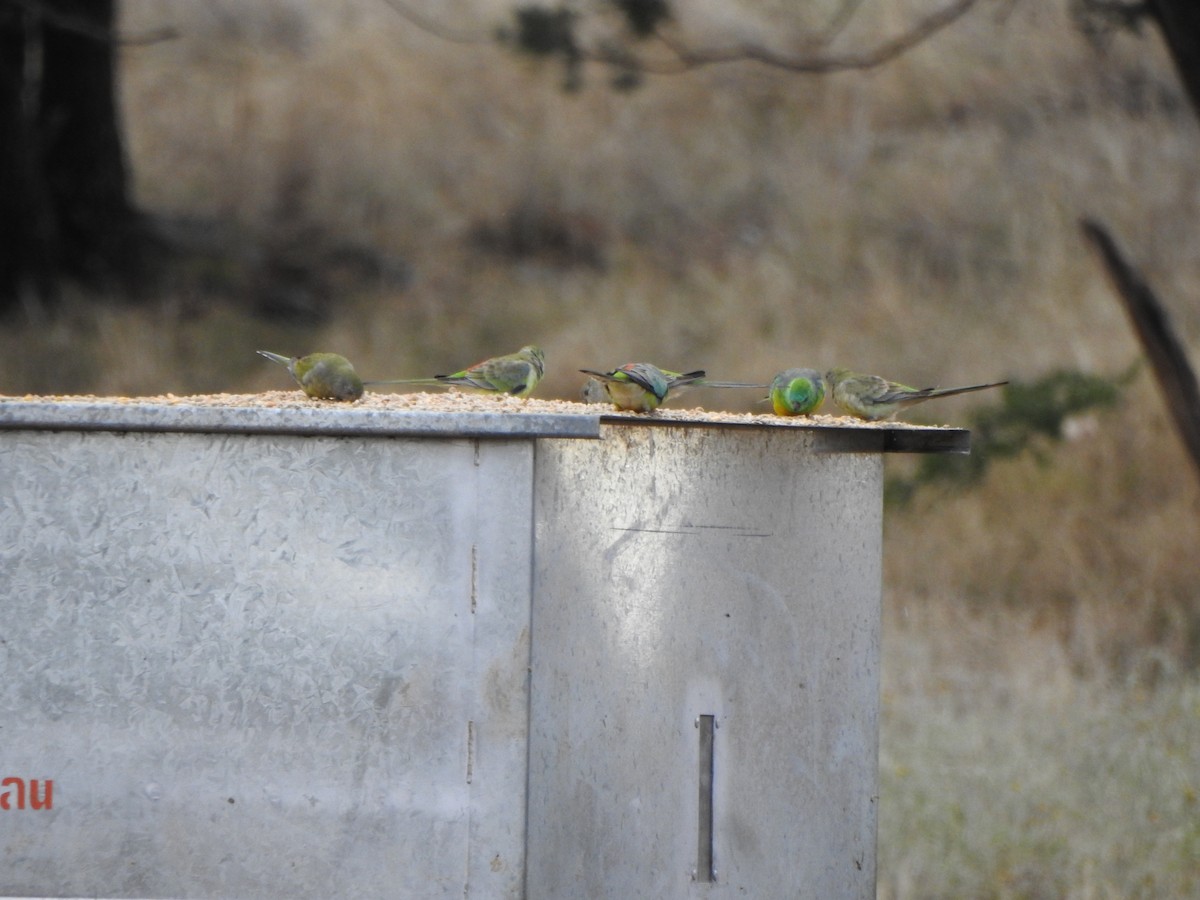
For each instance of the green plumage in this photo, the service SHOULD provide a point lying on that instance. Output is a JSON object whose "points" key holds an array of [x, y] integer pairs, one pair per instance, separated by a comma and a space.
{"points": [[797, 392], [322, 376], [516, 374], [640, 387], [873, 398]]}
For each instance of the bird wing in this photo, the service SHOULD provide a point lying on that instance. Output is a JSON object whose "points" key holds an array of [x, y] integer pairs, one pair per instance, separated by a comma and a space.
{"points": [[511, 373], [877, 389], [679, 379], [648, 377]]}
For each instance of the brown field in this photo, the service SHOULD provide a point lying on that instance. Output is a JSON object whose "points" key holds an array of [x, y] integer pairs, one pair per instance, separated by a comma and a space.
{"points": [[434, 202]]}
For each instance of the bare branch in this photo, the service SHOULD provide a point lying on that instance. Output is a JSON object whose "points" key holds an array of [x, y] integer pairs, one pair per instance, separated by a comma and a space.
{"points": [[686, 58], [683, 58], [436, 28]]}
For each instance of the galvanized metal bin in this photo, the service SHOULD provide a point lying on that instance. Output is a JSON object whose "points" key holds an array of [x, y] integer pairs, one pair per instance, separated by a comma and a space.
{"points": [[325, 652]]}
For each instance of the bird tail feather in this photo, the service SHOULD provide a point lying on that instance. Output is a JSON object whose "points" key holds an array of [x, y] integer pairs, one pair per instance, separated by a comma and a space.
{"points": [[950, 392], [406, 381]]}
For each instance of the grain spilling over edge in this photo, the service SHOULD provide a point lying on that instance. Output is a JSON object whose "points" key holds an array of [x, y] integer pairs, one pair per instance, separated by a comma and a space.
{"points": [[460, 402]]}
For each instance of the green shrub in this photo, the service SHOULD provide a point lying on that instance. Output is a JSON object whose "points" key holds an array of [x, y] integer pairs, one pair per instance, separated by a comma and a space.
{"points": [[1029, 414]]}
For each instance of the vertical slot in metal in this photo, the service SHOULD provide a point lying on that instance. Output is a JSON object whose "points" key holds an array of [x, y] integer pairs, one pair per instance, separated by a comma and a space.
{"points": [[705, 870], [470, 750]]}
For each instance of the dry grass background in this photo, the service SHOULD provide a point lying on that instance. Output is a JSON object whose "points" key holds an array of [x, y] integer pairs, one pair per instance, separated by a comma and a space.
{"points": [[1041, 733]]}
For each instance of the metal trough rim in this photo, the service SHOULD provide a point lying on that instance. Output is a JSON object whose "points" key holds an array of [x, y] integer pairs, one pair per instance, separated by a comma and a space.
{"points": [[134, 415]]}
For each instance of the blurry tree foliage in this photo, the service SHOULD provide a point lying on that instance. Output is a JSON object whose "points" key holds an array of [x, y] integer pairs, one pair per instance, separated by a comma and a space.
{"points": [[65, 205], [647, 41], [638, 37], [1030, 416]]}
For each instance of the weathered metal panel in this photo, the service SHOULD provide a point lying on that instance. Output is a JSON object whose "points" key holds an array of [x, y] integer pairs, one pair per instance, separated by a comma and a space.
{"points": [[259, 664], [184, 415], [684, 573], [264, 666]]}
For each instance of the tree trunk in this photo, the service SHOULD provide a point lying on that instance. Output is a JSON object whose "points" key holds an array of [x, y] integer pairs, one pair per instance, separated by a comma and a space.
{"points": [[64, 204], [14, 170], [1179, 22]]}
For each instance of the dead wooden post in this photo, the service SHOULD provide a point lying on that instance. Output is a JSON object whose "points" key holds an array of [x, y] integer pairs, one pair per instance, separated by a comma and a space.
{"points": [[1167, 356]]}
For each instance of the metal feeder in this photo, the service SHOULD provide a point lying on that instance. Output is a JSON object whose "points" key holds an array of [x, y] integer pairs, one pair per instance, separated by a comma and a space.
{"points": [[331, 651]]}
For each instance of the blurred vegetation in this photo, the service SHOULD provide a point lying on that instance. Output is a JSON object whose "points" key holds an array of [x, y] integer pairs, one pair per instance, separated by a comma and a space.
{"points": [[551, 32], [996, 778], [333, 178], [1029, 414], [341, 180]]}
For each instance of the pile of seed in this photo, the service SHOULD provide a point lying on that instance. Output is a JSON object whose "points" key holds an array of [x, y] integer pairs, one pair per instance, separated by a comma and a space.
{"points": [[453, 401]]}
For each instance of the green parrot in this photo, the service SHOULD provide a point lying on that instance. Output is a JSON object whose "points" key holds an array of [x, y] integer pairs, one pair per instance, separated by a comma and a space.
{"points": [[323, 376], [872, 398], [517, 374], [639, 387], [797, 392]]}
